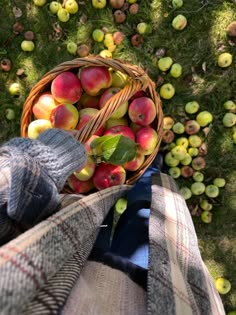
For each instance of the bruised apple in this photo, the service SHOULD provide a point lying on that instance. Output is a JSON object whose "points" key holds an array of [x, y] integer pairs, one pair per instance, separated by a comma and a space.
{"points": [[142, 111], [64, 116], [121, 130], [78, 186], [66, 88], [44, 105], [147, 139], [95, 79], [106, 95], [87, 114], [108, 175]]}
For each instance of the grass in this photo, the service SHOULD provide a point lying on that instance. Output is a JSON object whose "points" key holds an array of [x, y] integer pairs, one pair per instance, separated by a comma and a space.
{"points": [[196, 48]]}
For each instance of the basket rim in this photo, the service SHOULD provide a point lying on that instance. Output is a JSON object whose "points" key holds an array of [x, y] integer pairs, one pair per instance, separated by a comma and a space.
{"points": [[138, 79]]}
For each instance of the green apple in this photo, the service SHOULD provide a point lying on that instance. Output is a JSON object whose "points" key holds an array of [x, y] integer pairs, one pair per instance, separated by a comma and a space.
{"points": [[212, 191], [186, 192], [230, 105], [27, 45], [63, 15], [198, 188], [223, 285], [15, 89], [99, 4], [119, 79], [54, 7], [234, 137], [170, 160], [229, 119], [204, 118], [123, 121], [182, 141], [71, 48], [174, 172], [192, 107], [167, 91], [194, 141], [179, 152], [177, 4], [198, 176], [193, 151], [176, 70], [121, 205], [206, 216], [40, 3], [225, 60], [187, 160], [178, 128], [205, 205], [164, 63], [219, 182], [144, 28], [10, 114], [179, 22], [72, 6], [105, 53], [98, 35]]}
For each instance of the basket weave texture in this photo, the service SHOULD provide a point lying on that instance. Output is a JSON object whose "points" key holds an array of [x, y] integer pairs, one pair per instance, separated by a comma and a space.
{"points": [[137, 80]]}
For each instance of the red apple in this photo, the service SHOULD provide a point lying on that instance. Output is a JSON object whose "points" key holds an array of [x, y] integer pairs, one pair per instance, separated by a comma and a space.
{"points": [[88, 101], [138, 94], [147, 139], [142, 111], [192, 127], [106, 95], [64, 116], [121, 130], [44, 105], [136, 163], [66, 88], [87, 114], [95, 79], [78, 186], [108, 175], [168, 136]]}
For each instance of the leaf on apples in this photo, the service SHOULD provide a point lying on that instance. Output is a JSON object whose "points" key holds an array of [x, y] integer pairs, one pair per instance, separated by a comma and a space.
{"points": [[114, 149]]}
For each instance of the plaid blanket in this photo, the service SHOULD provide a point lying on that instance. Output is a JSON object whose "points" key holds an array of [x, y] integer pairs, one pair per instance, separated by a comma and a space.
{"points": [[39, 268]]}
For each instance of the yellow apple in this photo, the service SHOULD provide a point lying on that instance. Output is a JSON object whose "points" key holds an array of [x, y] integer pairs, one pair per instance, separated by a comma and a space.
{"points": [[87, 172], [119, 79], [225, 60], [36, 127], [223, 285], [99, 4], [167, 91]]}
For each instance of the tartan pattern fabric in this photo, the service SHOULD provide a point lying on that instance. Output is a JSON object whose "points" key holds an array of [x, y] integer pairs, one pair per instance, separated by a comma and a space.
{"points": [[34, 277]]}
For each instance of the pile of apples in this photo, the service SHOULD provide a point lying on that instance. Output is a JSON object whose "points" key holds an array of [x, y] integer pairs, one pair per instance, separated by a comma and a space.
{"points": [[185, 146], [74, 98]]}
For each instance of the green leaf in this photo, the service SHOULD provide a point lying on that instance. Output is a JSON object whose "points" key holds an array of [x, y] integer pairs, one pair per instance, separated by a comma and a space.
{"points": [[114, 149]]}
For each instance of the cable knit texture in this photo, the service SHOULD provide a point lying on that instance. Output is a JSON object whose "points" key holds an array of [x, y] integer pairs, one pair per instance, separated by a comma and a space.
{"points": [[32, 173]]}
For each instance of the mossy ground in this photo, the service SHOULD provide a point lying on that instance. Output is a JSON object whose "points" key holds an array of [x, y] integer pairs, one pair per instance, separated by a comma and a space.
{"points": [[196, 48]]}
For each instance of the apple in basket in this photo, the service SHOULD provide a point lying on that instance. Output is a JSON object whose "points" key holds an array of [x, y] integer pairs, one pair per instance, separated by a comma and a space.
{"points": [[94, 79], [78, 186], [66, 88], [87, 114], [44, 105], [108, 175], [147, 139], [142, 111], [136, 163], [121, 130], [106, 95], [64, 116], [88, 101]]}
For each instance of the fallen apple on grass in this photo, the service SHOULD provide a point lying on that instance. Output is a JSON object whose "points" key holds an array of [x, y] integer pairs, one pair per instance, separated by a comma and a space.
{"points": [[54, 7], [27, 45], [204, 118], [206, 216], [198, 188], [176, 70], [185, 192], [168, 122], [229, 120], [167, 91], [222, 285], [174, 172], [192, 107], [224, 60], [165, 63], [212, 191], [66, 88], [63, 15], [179, 22]]}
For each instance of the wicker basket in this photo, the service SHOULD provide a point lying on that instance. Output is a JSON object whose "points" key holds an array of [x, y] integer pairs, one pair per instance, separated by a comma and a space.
{"points": [[137, 80]]}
